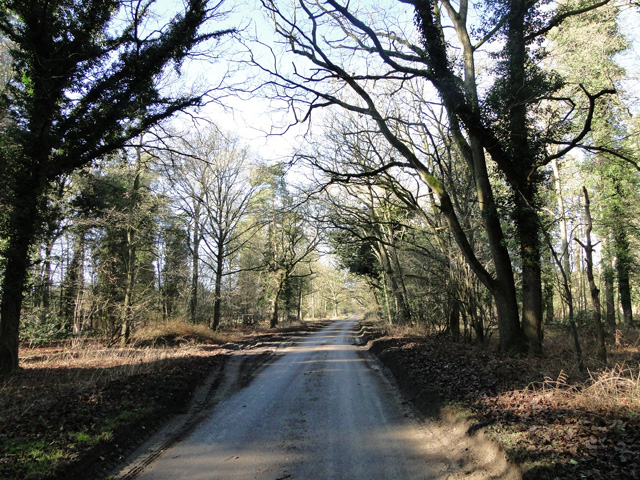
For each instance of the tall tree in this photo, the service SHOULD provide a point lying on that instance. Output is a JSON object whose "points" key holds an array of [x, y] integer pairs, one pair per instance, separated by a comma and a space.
{"points": [[607, 167], [83, 86], [289, 239], [511, 124], [174, 266], [123, 226], [210, 175], [595, 291]]}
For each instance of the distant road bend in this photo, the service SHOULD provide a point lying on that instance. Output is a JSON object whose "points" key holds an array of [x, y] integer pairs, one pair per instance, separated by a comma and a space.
{"points": [[323, 410]]}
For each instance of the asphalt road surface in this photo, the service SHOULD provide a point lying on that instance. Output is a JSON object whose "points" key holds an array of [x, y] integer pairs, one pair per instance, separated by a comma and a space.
{"points": [[323, 410]]}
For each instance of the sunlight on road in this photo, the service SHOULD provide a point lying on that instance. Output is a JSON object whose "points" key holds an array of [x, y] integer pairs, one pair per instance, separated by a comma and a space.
{"points": [[324, 410]]}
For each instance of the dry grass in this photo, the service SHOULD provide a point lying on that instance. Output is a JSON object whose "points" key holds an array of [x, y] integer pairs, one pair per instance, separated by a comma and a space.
{"points": [[74, 402], [176, 332], [611, 387], [393, 330], [615, 389], [87, 363], [72, 396]]}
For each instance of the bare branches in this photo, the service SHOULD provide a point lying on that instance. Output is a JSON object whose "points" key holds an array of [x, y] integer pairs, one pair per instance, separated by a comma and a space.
{"points": [[563, 15], [586, 128]]}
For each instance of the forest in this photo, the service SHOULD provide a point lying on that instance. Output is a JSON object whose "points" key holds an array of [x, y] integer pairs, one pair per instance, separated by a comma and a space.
{"points": [[476, 176], [465, 169]]}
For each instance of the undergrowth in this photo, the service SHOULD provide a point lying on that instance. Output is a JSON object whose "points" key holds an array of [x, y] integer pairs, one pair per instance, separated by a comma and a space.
{"points": [[554, 419]]}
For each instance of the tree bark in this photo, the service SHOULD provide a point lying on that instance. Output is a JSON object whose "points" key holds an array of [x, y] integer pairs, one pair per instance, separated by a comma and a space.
{"points": [[404, 312], [528, 233], [522, 181], [21, 224], [623, 268], [217, 303], [126, 316], [195, 269], [608, 276], [273, 322], [73, 285], [595, 292], [502, 288]]}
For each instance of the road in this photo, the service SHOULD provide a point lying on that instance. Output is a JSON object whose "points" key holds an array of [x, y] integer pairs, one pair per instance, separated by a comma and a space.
{"points": [[323, 410]]}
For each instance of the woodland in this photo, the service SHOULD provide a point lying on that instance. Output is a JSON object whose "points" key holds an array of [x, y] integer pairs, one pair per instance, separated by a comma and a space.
{"points": [[465, 171]]}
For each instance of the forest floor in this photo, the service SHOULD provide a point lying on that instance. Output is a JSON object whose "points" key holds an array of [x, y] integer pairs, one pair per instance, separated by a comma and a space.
{"points": [[76, 410], [550, 418]]}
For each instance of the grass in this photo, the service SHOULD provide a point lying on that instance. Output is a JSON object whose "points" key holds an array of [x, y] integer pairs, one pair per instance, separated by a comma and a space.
{"points": [[177, 332], [40, 460], [73, 396]]}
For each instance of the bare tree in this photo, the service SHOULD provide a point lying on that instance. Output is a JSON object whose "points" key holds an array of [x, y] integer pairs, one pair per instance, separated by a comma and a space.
{"points": [[211, 176], [332, 41]]}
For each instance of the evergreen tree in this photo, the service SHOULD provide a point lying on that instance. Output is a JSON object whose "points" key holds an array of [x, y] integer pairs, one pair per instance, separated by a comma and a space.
{"points": [[82, 88]]}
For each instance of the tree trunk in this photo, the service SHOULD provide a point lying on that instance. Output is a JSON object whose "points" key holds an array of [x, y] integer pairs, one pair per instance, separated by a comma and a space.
{"points": [[574, 332], [548, 302], [132, 266], [21, 228], [126, 317], [521, 180], [195, 275], [624, 258], [531, 281], [565, 254], [608, 276], [568, 298], [273, 322], [299, 304], [595, 293], [504, 291], [385, 291], [72, 284], [623, 267], [404, 312], [217, 303], [45, 283]]}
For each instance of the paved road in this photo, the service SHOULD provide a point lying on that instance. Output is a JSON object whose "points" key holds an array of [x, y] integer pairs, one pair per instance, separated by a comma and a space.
{"points": [[322, 411]]}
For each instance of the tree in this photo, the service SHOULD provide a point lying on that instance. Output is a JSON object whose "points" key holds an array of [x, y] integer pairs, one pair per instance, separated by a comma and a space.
{"points": [[174, 265], [595, 292], [311, 92], [289, 240], [513, 123], [211, 172], [608, 167], [618, 184], [120, 212], [82, 88], [379, 211]]}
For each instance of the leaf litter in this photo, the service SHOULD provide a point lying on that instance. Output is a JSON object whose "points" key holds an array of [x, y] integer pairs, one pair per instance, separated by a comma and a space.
{"points": [[553, 424]]}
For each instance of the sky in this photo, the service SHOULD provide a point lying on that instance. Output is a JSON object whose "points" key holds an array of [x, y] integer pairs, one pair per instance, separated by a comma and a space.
{"points": [[252, 117], [248, 115]]}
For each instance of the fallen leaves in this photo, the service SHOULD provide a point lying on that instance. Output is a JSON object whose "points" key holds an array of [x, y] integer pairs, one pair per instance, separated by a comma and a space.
{"points": [[549, 427]]}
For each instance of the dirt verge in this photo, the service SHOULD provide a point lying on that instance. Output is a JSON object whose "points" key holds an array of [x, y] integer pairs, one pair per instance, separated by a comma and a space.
{"points": [[547, 428]]}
